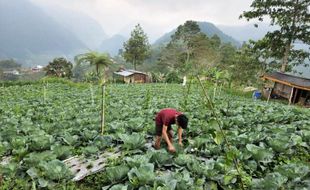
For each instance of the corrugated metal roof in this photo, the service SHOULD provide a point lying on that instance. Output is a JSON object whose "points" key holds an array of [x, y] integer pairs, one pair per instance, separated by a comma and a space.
{"points": [[134, 71], [124, 73], [289, 79]]}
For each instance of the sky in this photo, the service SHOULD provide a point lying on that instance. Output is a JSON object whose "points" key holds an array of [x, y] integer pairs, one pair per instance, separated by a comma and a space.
{"points": [[156, 16]]}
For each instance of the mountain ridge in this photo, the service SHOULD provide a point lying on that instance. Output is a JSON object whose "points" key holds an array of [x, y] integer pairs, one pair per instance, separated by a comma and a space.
{"points": [[27, 31], [207, 28], [87, 29]]}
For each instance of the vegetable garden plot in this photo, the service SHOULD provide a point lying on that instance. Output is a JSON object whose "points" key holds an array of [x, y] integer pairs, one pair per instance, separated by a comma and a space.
{"points": [[81, 167], [41, 127]]}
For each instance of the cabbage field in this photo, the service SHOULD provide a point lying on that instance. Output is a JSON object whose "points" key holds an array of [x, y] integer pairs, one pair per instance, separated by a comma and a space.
{"points": [[232, 143]]}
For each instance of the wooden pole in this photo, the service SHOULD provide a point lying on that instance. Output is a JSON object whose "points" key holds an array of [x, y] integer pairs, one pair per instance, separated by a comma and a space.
{"points": [[102, 107], [295, 95], [292, 92], [92, 94], [271, 92], [44, 94]]}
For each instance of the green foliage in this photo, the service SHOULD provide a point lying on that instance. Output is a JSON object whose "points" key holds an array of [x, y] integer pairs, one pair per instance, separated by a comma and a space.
{"points": [[161, 157], [46, 172], [9, 64], [245, 65], [79, 71], [270, 140], [178, 53], [59, 67], [190, 52], [132, 141], [271, 181], [138, 160], [94, 58], [137, 48], [292, 18], [173, 77], [143, 175], [117, 173], [186, 32]]}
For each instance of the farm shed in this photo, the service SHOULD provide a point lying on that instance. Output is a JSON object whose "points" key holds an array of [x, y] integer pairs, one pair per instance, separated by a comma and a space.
{"points": [[130, 76], [295, 89]]}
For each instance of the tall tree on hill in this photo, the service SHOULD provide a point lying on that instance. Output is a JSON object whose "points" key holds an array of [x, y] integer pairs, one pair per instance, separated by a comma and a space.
{"points": [[292, 16], [184, 34], [178, 53], [94, 58], [204, 55], [137, 48]]}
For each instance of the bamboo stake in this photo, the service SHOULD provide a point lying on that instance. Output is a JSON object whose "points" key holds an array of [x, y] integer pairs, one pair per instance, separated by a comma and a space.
{"points": [[92, 94], [44, 94], [235, 161], [102, 108]]}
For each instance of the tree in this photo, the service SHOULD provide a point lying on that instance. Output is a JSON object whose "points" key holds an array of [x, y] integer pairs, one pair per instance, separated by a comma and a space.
{"points": [[172, 57], [94, 58], [292, 16], [189, 51], [136, 49], [227, 52], [246, 66], [204, 54], [179, 51], [184, 34], [1, 74], [9, 64], [215, 41], [59, 67]]}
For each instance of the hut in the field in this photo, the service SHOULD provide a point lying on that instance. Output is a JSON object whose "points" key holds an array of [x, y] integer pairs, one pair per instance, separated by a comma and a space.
{"points": [[294, 89], [130, 76]]}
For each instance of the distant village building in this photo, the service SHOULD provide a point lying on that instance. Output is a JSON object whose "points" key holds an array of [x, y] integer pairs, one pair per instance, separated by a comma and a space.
{"points": [[295, 89], [12, 72], [130, 76], [37, 68]]}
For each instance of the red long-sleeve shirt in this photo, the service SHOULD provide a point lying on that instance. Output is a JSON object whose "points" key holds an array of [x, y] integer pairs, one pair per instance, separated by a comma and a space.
{"points": [[166, 117]]}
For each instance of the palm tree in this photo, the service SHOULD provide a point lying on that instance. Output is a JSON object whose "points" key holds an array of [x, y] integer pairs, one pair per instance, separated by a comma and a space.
{"points": [[98, 59], [94, 58]]}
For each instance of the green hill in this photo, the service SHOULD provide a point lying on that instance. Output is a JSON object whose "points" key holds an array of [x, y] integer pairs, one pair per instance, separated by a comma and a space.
{"points": [[206, 27]]}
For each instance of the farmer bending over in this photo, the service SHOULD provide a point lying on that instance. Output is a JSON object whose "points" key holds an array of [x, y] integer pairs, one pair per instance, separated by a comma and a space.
{"points": [[163, 121]]}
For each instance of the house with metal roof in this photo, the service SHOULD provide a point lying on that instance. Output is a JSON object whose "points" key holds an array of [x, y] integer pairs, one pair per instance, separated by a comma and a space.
{"points": [[295, 89], [130, 76]]}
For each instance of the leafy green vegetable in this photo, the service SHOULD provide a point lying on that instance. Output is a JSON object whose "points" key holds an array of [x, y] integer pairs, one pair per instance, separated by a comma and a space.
{"points": [[117, 173], [270, 140], [184, 159], [271, 181], [40, 142], [54, 170], [62, 152], [138, 160], [119, 187], [161, 157], [102, 142], [133, 141], [91, 150], [260, 154], [143, 175]]}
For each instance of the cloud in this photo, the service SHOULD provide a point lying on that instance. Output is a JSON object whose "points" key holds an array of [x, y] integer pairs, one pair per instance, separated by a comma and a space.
{"points": [[156, 16]]}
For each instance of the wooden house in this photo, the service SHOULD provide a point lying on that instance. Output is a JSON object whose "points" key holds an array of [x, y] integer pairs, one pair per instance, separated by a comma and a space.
{"points": [[130, 76], [295, 89]]}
